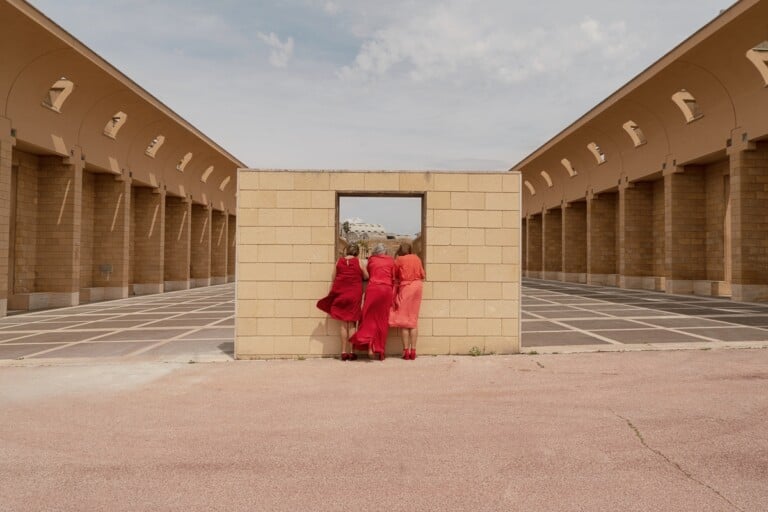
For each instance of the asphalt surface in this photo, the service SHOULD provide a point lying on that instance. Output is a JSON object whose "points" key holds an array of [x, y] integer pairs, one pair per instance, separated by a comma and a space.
{"points": [[633, 431]]}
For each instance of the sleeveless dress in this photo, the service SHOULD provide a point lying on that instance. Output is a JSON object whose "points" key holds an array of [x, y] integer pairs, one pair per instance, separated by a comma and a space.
{"points": [[409, 276], [374, 327], [346, 295]]}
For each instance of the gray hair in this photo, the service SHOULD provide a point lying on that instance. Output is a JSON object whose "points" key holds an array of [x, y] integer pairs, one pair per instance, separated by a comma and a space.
{"points": [[379, 249]]}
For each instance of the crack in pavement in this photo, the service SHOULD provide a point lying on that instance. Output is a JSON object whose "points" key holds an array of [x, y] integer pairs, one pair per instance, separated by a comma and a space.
{"points": [[674, 464]]}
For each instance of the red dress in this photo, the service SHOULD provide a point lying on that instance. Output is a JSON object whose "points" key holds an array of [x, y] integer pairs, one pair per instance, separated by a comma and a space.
{"points": [[409, 274], [374, 327], [343, 301]]}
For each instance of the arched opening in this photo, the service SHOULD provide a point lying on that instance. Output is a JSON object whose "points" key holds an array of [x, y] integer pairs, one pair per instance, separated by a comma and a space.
{"points": [[154, 146], [58, 94], [759, 57], [183, 162], [596, 152], [568, 167], [635, 133], [114, 124], [687, 105]]}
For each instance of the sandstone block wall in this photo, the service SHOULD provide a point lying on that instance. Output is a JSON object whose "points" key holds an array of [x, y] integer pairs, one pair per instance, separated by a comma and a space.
{"points": [[287, 225]]}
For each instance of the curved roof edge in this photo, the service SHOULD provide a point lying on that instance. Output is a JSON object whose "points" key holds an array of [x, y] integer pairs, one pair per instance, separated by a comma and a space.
{"points": [[726, 16], [46, 23]]}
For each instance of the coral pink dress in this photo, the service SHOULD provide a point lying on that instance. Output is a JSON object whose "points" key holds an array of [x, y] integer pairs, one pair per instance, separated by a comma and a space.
{"points": [[346, 295], [409, 275], [374, 327]]}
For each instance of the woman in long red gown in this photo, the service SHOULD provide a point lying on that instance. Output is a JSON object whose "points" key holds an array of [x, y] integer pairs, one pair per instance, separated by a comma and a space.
{"points": [[343, 301], [409, 276], [374, 327]]}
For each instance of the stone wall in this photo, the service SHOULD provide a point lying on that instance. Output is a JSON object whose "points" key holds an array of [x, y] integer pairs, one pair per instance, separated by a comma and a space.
{"points": [[287, 223]]}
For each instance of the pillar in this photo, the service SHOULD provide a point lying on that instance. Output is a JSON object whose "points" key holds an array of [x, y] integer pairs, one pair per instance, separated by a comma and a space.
{"points": [[601, 239], [524, 248], [685, 228], [111, 237], [749, 222], [148, 240], [636, 241], [219, 246], [200, 266], [178, 224], [533, 245], [659, 254], [552, 244], [232, 248], [574, 242], [6, 149]]}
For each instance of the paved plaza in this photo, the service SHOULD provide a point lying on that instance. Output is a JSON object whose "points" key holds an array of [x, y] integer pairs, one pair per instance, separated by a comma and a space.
{"points": [[560, 316], [195, 324], [198, 325]]}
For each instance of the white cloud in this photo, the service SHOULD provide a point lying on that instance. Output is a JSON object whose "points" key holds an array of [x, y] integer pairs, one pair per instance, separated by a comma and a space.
{"points": [[461, 44], [281, 52], [331, 7]]}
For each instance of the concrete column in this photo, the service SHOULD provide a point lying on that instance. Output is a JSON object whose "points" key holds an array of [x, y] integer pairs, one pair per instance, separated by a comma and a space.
{"points": [[200, 270], [6, 149], [232, 248], [58, 230], [534, 234], [659, 254], [149, 240], [178, 229], [574, 242], [601, 239], [685, 233], [636, 241], [524, 246], [749, 222], [552, 244], [111, 237], [219, 246]]}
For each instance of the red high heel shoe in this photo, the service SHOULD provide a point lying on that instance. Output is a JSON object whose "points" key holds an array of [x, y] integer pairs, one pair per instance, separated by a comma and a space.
{"points": [[352, 356], [344, 356], [412, 354], [406, 353]]}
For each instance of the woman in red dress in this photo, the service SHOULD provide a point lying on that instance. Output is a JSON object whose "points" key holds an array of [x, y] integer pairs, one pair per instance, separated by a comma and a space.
{"points": [[409, 276], [374, 327], [343, 301]]}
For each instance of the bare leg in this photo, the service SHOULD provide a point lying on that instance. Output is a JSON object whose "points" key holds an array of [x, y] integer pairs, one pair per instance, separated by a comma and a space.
{"points": [[344, 333], [406, 335], [414, 337]]}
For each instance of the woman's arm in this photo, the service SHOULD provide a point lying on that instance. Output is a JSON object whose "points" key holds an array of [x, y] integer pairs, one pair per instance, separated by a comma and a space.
{"points": [[365, 272]]}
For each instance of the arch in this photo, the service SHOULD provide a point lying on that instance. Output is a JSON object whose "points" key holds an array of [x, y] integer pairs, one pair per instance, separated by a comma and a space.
{"points": [[687, 105], [154, 146], [759, 57], [113, 126], [224, 183], [635, 133], [58, 94], [596, 152]]}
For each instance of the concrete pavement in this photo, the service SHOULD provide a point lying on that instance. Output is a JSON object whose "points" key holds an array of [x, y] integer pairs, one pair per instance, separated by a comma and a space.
{"points": [[645, 431]]}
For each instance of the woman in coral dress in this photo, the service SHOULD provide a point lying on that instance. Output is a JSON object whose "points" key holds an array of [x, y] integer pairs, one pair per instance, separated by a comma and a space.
{"points": [[409, 276], [374, 326], [343, 301]]}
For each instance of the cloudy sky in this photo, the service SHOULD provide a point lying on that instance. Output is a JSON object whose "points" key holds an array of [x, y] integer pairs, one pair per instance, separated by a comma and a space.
{"points": [[396, 84]]}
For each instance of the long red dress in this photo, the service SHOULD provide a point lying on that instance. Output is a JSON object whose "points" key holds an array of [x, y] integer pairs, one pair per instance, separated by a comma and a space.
{"points": [[409, 275], [343, 301], [374, 327]]}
